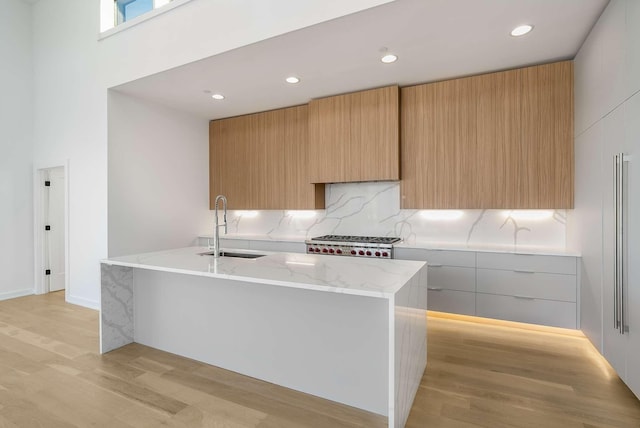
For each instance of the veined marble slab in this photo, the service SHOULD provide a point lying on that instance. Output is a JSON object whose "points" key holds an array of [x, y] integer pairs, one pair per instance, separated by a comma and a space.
{"points": [[116, 307], [373, 209]]}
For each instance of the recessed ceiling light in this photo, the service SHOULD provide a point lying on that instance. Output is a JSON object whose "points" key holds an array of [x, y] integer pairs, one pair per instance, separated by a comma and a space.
{"points": [[292, 79], [521, 30], [217, 96], [389, 58]]}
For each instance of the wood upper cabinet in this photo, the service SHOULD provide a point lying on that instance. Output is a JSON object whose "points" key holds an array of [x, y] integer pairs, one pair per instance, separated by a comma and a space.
{"points": [[439, 144], [500, 140], [258, 161], [354, 137]]}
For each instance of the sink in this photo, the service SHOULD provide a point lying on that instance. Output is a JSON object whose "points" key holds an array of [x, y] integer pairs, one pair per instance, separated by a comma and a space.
{"points": [[237, 255]]}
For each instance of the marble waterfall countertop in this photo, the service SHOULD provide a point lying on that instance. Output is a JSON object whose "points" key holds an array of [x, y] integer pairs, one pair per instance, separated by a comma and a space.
{"points": [[348, 275]]}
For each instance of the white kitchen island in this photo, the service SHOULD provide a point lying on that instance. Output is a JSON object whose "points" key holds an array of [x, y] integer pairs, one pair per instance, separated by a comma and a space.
{"points": [[347, 329]]}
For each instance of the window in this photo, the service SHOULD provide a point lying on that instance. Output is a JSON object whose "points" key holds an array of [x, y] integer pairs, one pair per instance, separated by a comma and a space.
{"points": [[116, 12], [129, 9]]}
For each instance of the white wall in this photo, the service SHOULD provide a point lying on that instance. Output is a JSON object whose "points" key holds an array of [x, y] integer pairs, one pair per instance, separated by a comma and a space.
{"points": [[16, 150], [73, 70], [158, 176]]}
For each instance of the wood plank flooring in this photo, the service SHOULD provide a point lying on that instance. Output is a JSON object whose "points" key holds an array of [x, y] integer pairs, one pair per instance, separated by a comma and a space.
{"points": [[51, 375]]}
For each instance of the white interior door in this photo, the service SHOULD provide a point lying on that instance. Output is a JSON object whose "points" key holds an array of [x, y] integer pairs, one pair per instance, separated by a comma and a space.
{"points": [[54, 217]]}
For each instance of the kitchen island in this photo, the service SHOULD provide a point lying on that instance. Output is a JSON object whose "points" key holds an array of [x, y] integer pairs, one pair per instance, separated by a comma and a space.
{"points": [[346, 329]]}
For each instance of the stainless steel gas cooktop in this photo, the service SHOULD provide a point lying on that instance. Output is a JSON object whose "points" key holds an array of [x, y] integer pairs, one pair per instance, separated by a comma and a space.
{"points": [[355, 246]]}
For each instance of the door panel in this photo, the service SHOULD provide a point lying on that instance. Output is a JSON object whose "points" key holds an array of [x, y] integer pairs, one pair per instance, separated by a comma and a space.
{"points": [[55, 218], [613, 343], [632, 146], [588, 224]]}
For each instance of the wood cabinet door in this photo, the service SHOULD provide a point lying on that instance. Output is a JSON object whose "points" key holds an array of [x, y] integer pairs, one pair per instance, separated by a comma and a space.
{"points": [[374, 132], [299, 192], [438, 146], [329, 136], [266, 161], [546, 137], [259, 161], [502, 140], [229, 145], [497, 133], [354, 137]]}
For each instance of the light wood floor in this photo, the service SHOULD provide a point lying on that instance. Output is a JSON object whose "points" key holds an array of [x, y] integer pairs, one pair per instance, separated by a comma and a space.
{"points": [[51, 375]]}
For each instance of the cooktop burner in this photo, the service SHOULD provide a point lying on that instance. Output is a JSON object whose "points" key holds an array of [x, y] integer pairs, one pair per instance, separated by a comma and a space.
{"points": [[358, 239]]}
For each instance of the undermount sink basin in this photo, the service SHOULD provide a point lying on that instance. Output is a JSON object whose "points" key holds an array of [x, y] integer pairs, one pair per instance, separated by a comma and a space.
{"points": [[237, 255]]}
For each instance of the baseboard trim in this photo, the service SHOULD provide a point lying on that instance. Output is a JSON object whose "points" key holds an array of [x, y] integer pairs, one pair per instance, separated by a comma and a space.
{"points": [[17, 293], [81, 301]]}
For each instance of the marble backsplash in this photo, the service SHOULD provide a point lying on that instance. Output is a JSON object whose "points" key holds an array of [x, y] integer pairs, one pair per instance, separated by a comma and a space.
{"points": [[374, 209]]}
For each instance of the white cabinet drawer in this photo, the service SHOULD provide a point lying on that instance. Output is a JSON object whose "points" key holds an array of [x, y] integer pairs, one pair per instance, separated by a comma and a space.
{"points": [[437, 257], [455, 302], [545, 312], [452, 278], [526, 262], [278, 246], [225, 243], [233, 243], [551, 286]]}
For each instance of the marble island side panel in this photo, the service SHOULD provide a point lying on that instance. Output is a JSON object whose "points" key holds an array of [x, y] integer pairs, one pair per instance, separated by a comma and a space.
{"points": [[116, 307]]}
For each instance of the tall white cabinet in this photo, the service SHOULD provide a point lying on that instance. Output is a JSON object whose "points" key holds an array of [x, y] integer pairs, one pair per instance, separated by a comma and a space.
{"points": [[607, 80]]}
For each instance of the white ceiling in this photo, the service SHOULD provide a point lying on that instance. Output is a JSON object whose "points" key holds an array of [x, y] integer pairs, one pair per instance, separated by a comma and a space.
{"points": [[434, 40]]}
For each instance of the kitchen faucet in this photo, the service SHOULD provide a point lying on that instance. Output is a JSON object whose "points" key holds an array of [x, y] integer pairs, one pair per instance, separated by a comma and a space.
{"points": [[216, 231]]}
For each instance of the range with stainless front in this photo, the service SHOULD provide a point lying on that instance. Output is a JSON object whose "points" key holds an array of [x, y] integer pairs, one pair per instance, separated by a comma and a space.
{"points": [[353, 246]]}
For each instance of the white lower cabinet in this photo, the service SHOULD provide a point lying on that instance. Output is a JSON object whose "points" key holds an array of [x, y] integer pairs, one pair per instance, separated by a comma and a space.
{"points": [[530, 288], [451, 301], [526, 284], [451, 278], [525, 309]]}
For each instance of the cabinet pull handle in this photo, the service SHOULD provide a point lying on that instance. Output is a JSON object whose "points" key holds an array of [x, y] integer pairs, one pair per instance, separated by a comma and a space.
{"points": [[434, 288], [618, 255], [434, 264], [525, 298], [524, 271]]}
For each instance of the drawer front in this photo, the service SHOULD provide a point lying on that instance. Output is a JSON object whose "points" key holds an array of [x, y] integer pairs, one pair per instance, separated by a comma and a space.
{"points": [[551, 286], [287, 247], [225, 243], [437, 257], [525, 262], [452, 278], [451, 301], [534, 311]]}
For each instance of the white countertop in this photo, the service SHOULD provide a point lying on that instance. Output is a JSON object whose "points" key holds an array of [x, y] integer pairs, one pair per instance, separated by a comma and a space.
{"points": [[348, 275], [427, 245]]}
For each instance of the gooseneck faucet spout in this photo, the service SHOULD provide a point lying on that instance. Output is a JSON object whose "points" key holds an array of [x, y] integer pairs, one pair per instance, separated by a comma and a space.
{"points": [[216, 228]]}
